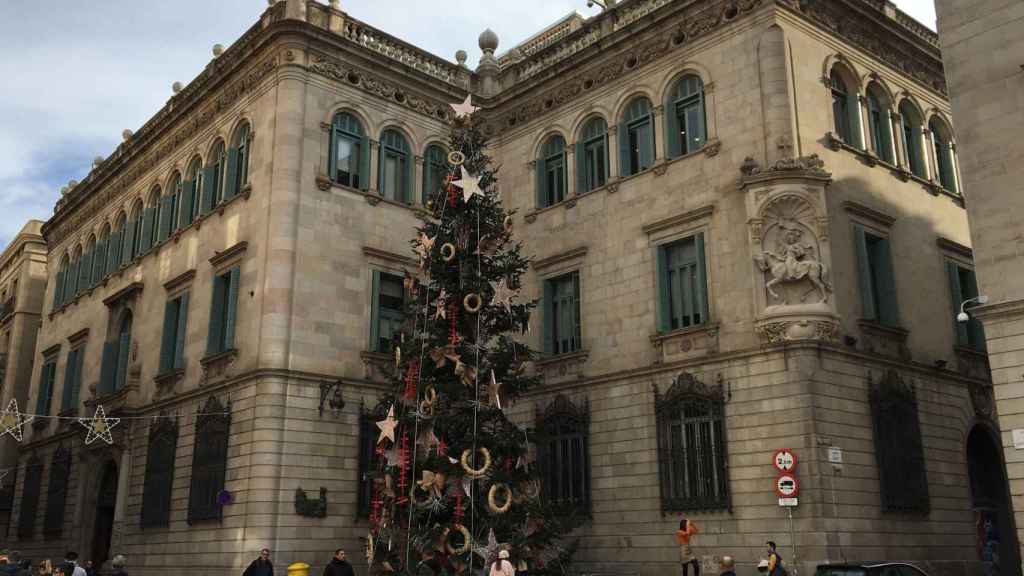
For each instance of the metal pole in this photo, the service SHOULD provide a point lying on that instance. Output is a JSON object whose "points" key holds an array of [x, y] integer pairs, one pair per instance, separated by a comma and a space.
{"points": [[792, 540]]}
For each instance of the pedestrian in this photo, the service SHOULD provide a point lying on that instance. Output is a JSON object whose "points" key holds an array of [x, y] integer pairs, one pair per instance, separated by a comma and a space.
{"points": [[261, 566], [501, 566], [26, 568], [45, 568], [726, 566], [686, 531], [89, 570], [775, 567], [339, 566], [119, 562], [70, 566]]}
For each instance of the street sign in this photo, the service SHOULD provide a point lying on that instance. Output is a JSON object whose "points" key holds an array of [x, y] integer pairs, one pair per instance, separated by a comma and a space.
{"points": [[787, 486], [789, 502], [835, 455], [784, 460]]}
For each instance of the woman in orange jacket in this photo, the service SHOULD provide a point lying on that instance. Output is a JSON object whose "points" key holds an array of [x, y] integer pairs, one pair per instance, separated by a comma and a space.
{"points": [[686, 531]]}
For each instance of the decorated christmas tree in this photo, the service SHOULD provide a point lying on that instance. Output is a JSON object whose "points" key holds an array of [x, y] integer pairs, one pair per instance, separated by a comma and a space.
{"points": [[457, 484]]}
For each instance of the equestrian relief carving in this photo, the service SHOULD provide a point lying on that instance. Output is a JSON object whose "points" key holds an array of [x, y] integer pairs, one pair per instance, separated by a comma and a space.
{"points": [[794, 261]]}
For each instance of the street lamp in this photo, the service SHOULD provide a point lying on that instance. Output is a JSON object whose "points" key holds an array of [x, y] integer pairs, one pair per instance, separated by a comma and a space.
{"points": [[963, 316]]}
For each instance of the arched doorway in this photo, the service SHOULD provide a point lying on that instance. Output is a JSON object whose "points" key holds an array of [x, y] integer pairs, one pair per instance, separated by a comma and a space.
{"points": [[106, 500], [996, 534]]}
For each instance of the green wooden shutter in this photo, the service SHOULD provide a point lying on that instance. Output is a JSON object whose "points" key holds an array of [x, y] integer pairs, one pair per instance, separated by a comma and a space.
{"points": [[408, 183], [380, 170], [702, 280], [581, 169], [548, 316], [108, 368], [85, 272], [127, 243], [867, 296], [647, 145], [957, 297], [41, 407], [215, 336], [79, 367], [58, 289], [188, 199], [69, 380], [231, 183], [168, 339], [577, 312], [374, 311], [232, 314], [888, 305], [664, 309], [975, 329], [540, 183], [364, 163], [99, 261], [623, 136], [164, 226], [207, 194], [71, 284], [179, 345], [113, 252], [673, 141], [148, 218], [853, 109], [332, 153], [702, 119], [123, 351]]}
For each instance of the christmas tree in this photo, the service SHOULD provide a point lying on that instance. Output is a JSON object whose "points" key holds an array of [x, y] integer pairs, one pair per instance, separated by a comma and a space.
{"points": [[456, 482]]}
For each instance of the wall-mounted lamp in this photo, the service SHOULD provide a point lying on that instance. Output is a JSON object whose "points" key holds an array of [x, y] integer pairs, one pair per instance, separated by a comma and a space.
{"points": [[964, 316]]}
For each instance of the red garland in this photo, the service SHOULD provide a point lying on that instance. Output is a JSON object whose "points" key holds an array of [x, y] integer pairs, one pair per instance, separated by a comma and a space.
{"points": [[453, 319], [452, 195], [442, 448], [411, 376], [403, 472], [458, 507], [376, 503]]}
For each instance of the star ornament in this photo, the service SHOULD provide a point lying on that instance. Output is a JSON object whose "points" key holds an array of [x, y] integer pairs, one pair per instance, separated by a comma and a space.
{"points": [[502, 295], [387, 426], [12, 420], [470, 185], [494, 391], [99, 426], [466, 108]]}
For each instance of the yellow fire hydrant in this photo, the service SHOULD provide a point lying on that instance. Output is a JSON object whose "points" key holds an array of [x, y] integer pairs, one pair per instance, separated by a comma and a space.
{"points": [[298, 569]]}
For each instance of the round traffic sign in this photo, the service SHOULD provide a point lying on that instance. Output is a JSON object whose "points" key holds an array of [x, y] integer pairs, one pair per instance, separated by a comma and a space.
{"points": [[787, 486], [784, 460]]}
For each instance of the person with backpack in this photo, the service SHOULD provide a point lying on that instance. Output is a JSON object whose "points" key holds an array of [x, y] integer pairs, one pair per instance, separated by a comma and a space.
{"points": [[775, 567]]}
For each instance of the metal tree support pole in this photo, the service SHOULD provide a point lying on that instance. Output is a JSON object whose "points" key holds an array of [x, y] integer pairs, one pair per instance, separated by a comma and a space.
{"points": [[792, 540]]}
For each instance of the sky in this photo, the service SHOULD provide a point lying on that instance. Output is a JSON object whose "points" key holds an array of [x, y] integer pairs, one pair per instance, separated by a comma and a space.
{"points": [[77, 74]]}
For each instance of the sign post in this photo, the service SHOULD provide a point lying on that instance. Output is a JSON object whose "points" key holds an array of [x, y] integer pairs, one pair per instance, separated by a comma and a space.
{"points": [[787, 488]]}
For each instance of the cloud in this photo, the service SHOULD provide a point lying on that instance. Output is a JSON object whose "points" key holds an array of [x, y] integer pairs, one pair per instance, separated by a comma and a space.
{"points": [[79, 73]]}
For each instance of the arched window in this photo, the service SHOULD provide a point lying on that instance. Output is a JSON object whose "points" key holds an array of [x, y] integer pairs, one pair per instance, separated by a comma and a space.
{"points": [[60, 282], [692, 446], [192, 192], [72, 286], [879, 125], [133, 242], [213, 186], [845, 109], [151, 220], [592, 155], [913, 152], [116, 243], [395, 179], [551, 176], [159, 476], [169, 207], [57, 492], [209, 461], [942, 143], [86, 273], [99, 267], [685, 127], [349, 157], [435, 170], [898, 448], [636, 138], [238, 162], [116, 350], [563, 456]]}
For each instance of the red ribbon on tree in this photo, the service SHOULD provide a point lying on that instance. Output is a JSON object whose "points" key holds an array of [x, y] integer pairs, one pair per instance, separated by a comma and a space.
{"points": [[458, 507], [411, 376], [403, 472], [453, 319]]}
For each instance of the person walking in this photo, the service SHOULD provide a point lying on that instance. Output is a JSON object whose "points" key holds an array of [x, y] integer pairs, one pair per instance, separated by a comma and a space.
{"points": [[261, 566], [119, 563], [502, 566], [339, 566], [727, 567], [70, 566], [775, 567], [686, 531], [45, 568]]}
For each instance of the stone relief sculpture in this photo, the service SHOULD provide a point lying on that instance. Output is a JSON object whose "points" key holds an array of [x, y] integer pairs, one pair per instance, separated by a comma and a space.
{"points": [[793, 261]]}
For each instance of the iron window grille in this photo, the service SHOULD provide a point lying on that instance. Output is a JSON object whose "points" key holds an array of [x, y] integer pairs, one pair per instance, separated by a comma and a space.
{"points": [[899, 450], [57, 492], [209, 461], [159, 476], [563, 456], [30, 499]]}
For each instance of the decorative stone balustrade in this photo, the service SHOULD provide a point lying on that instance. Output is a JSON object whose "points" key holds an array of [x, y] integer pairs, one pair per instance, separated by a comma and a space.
{"points": [[390, 47]]}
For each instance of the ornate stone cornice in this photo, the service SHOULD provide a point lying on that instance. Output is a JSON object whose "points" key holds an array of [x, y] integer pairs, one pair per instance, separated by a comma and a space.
{"points": [[680, 219], [879, 218], [954, 248], [180, 280], [387, 256], [545, 263], [228, 254]]}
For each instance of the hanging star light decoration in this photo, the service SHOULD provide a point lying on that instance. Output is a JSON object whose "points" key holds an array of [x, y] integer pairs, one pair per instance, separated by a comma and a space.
{"points": [[99, 426], [470, 185], [424, 244], [387, 426], [489, 552], [466, 108], [502, 295], [13, 420], [494, 391], [441, 304]]}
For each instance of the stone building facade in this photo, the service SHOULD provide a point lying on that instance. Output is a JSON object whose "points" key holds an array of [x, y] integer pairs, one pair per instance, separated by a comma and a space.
{"points": [[981, 50], [22, 282], [747, 235]]}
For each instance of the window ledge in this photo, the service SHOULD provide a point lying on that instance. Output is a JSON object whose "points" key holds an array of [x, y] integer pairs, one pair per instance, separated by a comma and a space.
{"points": [[972, 362], [882, 339], [685, 343], [114, 401], [563, 367], [377, 366], [40, 423], [165, 382], [215, 366], [372, 197]]}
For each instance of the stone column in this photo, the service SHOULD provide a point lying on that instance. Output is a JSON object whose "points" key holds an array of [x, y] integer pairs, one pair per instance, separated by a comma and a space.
{"points": [[862, 111], [613, 152], [780, 135], [660, 145], [570, 171], [124, 472], [928, 155], [417, 186], [956, 168], [899, 146], [374, 175]]}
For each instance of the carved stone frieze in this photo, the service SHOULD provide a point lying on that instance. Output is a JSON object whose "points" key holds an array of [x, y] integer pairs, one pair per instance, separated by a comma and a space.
{"points": [[337, 70], [773, 332], [811, 165]]}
